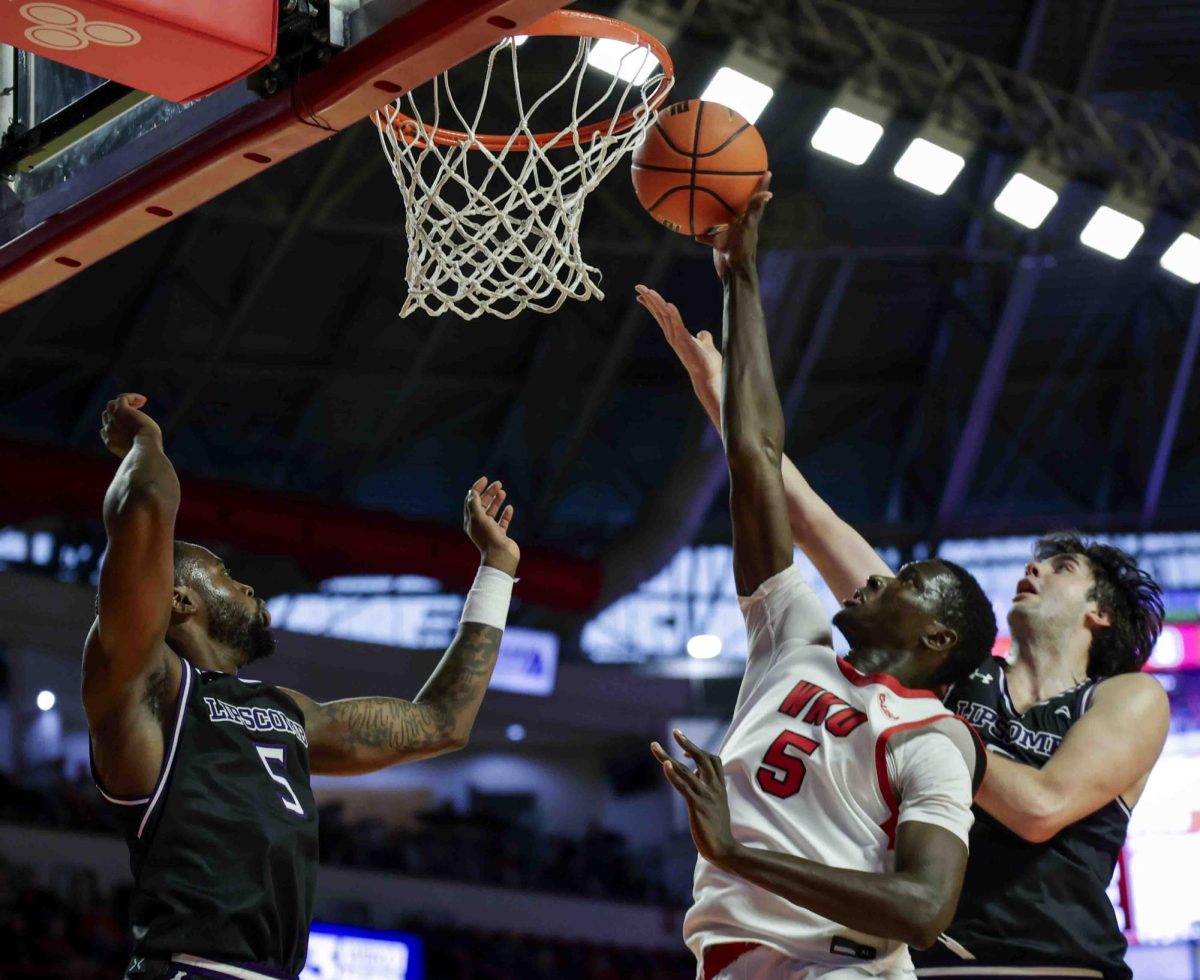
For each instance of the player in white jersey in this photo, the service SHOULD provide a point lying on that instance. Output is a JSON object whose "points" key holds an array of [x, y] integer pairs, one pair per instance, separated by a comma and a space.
{"points": [[832, 826]]}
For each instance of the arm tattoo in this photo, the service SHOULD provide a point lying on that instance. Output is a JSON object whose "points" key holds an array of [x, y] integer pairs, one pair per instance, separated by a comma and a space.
{"points": [[443, 712]]}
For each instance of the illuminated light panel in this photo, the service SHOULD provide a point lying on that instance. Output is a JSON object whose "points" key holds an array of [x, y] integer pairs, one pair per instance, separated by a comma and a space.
{"points": [[739, 92], [46, 700], [929, 166], [515, 732], [1112, 232], [1026, 201], [847, 136], [627, 61], [1183, 258], [704, 646]]}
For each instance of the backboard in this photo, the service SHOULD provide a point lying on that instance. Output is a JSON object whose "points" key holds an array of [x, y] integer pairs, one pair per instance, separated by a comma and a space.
{"points": [[90, 166]]}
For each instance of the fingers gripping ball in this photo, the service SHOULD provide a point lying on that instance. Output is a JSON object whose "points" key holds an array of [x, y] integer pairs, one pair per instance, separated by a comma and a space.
{"points": [[698, 166]]}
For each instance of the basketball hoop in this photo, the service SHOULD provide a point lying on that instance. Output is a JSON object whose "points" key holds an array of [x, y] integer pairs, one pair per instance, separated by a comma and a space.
{"points": [[492, 221]]}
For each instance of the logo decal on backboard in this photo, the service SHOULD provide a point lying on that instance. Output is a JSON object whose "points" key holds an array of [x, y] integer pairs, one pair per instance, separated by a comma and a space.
{"points": [[66, 29]]}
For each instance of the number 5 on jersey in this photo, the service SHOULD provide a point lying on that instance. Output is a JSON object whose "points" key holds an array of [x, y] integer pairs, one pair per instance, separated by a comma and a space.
{"points": [[278, 754], [785, 774]]}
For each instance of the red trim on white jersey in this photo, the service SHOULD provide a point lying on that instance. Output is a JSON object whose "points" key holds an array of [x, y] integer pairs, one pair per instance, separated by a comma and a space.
{"points": [[859, 679], [885, 784]]}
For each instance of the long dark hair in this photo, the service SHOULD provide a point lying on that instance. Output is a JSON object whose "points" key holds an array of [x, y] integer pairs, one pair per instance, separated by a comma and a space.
{"points": [[1132, 599]]}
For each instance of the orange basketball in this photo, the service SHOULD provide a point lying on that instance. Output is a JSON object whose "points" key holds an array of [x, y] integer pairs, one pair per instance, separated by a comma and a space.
{"points": [[698, 166]]}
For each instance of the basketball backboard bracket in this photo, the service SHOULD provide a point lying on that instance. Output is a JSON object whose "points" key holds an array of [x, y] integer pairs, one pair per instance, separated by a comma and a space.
{"points": [[102, 186]]}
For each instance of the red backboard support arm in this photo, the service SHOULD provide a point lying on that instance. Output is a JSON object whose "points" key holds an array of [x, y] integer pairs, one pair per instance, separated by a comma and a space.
{"points": [[404, 54]]}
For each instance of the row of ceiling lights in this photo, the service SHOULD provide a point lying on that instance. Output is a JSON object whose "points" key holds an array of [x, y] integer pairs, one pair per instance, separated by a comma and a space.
{"points": [[854, 125]]}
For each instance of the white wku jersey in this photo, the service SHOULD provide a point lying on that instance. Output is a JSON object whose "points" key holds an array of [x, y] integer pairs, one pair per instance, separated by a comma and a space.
{"points": [[806, 768]]}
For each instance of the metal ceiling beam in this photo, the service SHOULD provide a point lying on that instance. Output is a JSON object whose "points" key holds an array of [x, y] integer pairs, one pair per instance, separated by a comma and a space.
{"points": [[672, 513], [141, 324], [1099, 48], [627, 329], [313, 197], [1166, 439], [1031, 36], [530, 380], [831, 41], [1036, 422], [832, 302], [389, 428], [987, 393], [342, 355]]}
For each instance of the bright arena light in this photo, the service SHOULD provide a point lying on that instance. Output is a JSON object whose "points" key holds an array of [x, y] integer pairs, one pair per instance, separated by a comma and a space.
{"points": [[46, 700], [1112, 232], [627, 61], [739, 92], [1026, 201], [1183, 257], [847, 136], [515, 732], [929, 166], [1168, 650], [704, 647]]}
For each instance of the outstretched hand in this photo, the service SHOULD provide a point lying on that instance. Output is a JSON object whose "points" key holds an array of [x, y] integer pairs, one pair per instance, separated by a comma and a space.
{"points": [[486, 521], [122, 421], [737, 243], [703, 790], [698, 354]]}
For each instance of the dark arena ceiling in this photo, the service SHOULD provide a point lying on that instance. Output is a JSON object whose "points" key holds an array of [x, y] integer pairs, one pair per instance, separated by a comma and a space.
{"points": [[264, 329]]}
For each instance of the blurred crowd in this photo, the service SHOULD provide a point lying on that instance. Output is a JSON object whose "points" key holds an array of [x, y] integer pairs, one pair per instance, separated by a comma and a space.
{"points": [[476, 847], [65, 929], [482, 848], [69, 929]]}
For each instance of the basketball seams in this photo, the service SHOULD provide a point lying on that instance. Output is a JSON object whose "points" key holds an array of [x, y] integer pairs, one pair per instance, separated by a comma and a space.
{"points": [[662, 197], [720, 200], [701, 173], [670, 142], [692, 181], [720, 139], [717, 149]]}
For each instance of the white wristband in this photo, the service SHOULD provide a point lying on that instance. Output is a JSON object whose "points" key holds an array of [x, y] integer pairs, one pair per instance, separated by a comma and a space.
{"points": [[487, 602]]}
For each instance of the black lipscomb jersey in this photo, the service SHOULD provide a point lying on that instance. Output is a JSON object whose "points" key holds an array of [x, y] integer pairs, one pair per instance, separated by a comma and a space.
{"points": [[224, 851], [1023, 904]]}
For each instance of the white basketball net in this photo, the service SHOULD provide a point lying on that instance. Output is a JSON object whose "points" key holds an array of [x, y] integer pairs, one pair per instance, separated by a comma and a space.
{"points": [[514, 244]]}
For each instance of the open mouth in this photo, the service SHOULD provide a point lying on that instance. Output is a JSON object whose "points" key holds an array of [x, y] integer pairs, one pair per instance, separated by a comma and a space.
{"points": [[266, 615], [1024, 588], [854, 600]]}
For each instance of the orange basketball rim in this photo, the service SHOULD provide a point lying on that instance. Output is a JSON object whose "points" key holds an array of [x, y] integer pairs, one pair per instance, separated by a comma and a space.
{"points": [[559, 23]]}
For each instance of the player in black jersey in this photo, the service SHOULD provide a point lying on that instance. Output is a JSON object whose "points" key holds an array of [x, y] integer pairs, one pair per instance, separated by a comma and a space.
{"points": [[1051, 818], [1074, 730], [209, 773]]}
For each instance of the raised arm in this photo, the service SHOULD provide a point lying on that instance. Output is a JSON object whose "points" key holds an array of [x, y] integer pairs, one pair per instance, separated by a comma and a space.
{"points": [[137, 576], [127, 671], [841, 555], [912, 904], [359, 735], [751, 416], [1107, 754]]}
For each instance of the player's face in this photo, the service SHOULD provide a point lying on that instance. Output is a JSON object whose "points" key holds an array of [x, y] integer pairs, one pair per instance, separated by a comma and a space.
{"points": [[235, 616], [894, 613], [1054, 593]]}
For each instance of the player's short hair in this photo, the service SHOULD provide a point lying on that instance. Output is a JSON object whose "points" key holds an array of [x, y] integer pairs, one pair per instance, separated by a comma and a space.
{"points": [[967, 610], [186, 563], [1132, 599]]}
